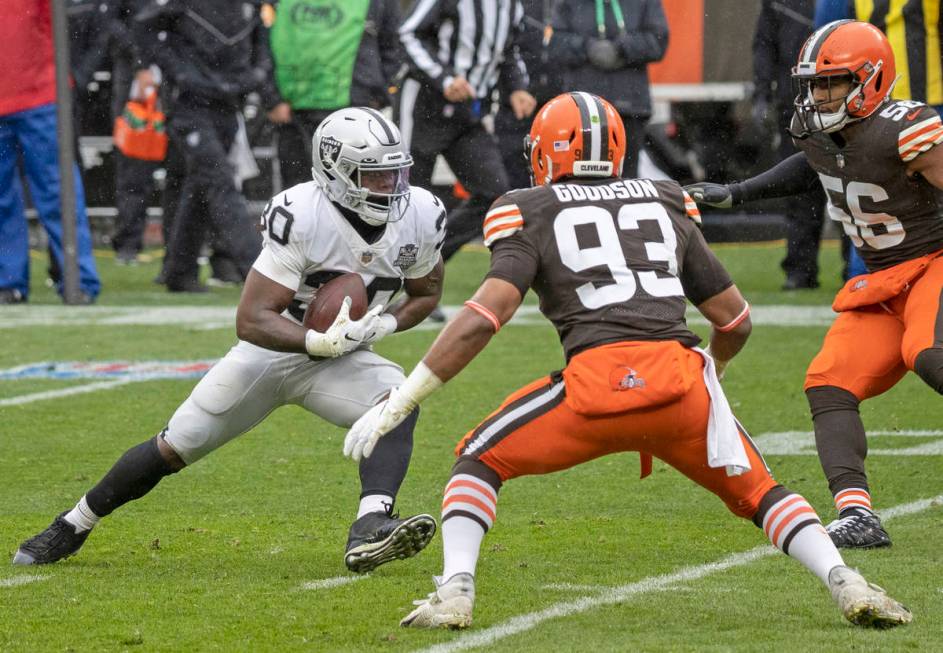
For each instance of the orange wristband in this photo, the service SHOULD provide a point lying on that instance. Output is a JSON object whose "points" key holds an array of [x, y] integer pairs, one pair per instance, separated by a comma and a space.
{"points": [[485, 313]]}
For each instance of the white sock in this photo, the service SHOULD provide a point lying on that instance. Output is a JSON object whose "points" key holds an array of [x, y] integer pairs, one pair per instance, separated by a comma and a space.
{"points": [[461, 542], [374, 503], [82, 516], [814, 549]]}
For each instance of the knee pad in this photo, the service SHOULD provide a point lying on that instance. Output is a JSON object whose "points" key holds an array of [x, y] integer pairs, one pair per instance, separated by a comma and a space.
{"points": [[828, 398], [929, 367]]}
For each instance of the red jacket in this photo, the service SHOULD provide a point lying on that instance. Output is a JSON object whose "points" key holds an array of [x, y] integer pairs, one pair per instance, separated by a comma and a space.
{"points": [[27, 65]]}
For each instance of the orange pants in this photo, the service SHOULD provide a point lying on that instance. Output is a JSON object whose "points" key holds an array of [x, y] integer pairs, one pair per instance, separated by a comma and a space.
{"points": [[867, 350], [535, 431]]}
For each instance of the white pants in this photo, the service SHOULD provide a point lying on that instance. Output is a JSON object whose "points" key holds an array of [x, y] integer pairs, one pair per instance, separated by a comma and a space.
{"points": [[250, 382]]}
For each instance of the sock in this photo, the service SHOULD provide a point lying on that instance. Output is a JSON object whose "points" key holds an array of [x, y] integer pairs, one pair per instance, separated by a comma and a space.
{"points": [[135, 474], [375, 503], [82, 516], [383, 472], [853, 500], [468, 512], [792, 526]]}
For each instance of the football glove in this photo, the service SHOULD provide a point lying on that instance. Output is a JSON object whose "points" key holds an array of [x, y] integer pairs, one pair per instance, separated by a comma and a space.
{"points": [[372, 327], [716, 195], [390, 413]]}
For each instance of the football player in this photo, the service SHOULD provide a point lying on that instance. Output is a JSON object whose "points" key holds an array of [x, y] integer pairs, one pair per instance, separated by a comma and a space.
{"points": [[360, 215], [878, 162], [612, 261]]}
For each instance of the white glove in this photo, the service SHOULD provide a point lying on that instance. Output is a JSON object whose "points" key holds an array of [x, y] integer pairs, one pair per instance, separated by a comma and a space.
{"points": [[373, 326], [390, 413], [332, 342]]}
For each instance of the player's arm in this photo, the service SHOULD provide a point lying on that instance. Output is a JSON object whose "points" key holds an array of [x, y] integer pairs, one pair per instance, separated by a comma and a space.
{"points": [[459, 342], [422, 296], [928, 165], [729, 315], [259, 319], [791, 176]]}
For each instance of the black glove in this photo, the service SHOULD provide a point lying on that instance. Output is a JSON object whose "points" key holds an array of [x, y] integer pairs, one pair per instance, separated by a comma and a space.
{"points": [[604, 54], [716, 195]]}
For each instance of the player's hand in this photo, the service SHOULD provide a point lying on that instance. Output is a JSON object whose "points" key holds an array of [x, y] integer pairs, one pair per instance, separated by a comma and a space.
{"points": [[719, 366], [332, 343], [375, 423], [373, 326], [716, 195], [522, 104]]}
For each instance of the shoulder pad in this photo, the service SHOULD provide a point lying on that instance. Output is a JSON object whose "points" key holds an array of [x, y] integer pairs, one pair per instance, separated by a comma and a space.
{"points": [[921, 129], [503, 219]]}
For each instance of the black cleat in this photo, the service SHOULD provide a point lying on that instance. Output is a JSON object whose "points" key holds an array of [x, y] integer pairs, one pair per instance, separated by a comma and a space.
{"points": [[58, 541], [859, 529], [379, 537]]}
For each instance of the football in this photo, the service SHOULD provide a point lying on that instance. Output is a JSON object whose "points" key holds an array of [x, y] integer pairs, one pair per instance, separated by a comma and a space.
{"points": [[328, 298]]}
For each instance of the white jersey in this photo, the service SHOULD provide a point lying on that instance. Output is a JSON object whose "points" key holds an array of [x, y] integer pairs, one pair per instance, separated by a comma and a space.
{"points": [[307, 242]]}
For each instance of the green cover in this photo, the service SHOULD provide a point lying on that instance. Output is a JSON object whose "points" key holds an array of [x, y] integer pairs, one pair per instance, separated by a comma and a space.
{"points": [[315, 43]]}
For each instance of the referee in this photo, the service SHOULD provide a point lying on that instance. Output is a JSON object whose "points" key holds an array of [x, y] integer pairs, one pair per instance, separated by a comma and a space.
{"points": [[458, 52]]}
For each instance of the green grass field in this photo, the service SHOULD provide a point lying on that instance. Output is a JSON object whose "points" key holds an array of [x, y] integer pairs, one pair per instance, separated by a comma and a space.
{"points": [[228, 555]]}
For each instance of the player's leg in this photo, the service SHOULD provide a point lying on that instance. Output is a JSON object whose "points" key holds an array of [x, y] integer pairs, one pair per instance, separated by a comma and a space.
{"points": [[786, 518], [340, 390], [532, 432], [838, 379], [236, 394], [922, 346]]}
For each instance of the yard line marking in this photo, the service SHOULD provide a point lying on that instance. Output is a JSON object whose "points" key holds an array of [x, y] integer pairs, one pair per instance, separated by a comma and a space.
{"points": [[64, 392], [224, 317], [20, 580], [802, 443], [621, 593], [326, 583]]}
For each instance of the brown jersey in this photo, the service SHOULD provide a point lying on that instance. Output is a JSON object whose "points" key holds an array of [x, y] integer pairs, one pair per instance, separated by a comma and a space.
{"points": [[890, 216], [610, 260]]}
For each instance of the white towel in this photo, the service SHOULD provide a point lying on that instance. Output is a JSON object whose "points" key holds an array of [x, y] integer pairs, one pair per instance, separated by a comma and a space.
{"points": [[240, 155], [724, 446]]}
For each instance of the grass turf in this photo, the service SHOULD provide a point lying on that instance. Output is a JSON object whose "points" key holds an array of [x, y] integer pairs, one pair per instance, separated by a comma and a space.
{"points": [[216, 557]]}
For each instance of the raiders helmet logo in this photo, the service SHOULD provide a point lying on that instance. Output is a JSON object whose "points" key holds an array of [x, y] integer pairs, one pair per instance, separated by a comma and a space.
{"points": [[330, 149]]}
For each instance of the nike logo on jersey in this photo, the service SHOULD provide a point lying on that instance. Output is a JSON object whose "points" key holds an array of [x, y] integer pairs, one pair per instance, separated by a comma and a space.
{"points": [[287, 202], [913, 114]]}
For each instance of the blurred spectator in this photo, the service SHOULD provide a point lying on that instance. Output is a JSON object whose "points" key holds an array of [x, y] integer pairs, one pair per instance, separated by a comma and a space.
{"points": [[28, 134], [131, 78], [325, 62], [456, 59], [533, 45], [212, 55], [781, 29], [604, 47]]}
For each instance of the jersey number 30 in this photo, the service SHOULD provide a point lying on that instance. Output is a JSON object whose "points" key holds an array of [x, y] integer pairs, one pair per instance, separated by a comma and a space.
{"points": [[609, 252]]}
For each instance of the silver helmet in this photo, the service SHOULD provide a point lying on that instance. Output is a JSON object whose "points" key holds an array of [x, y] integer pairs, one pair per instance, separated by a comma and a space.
{"points": [[360, 161]]}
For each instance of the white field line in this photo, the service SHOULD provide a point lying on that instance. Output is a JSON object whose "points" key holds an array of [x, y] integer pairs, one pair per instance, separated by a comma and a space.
{"points": [[622, 593], [802, 443], [20, 580], [224, 317], [65, 392], [326, 583]]}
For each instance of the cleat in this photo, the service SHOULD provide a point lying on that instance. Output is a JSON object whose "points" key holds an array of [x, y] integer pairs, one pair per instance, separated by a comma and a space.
{"points": [[57, 542], [379, 537], [858, 530], [863, 603], [449, 606]]}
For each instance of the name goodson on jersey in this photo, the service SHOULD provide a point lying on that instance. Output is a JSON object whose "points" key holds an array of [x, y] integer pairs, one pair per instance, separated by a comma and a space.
{"points": [[622, 189]]}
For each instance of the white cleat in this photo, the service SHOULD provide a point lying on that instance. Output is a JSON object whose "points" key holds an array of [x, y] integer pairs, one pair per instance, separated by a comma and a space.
{"points": [[863, 603], [449, 606]]}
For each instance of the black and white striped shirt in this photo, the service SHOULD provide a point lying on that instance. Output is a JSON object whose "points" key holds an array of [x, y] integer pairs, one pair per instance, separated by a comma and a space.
{"points": [[473, 39]]}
